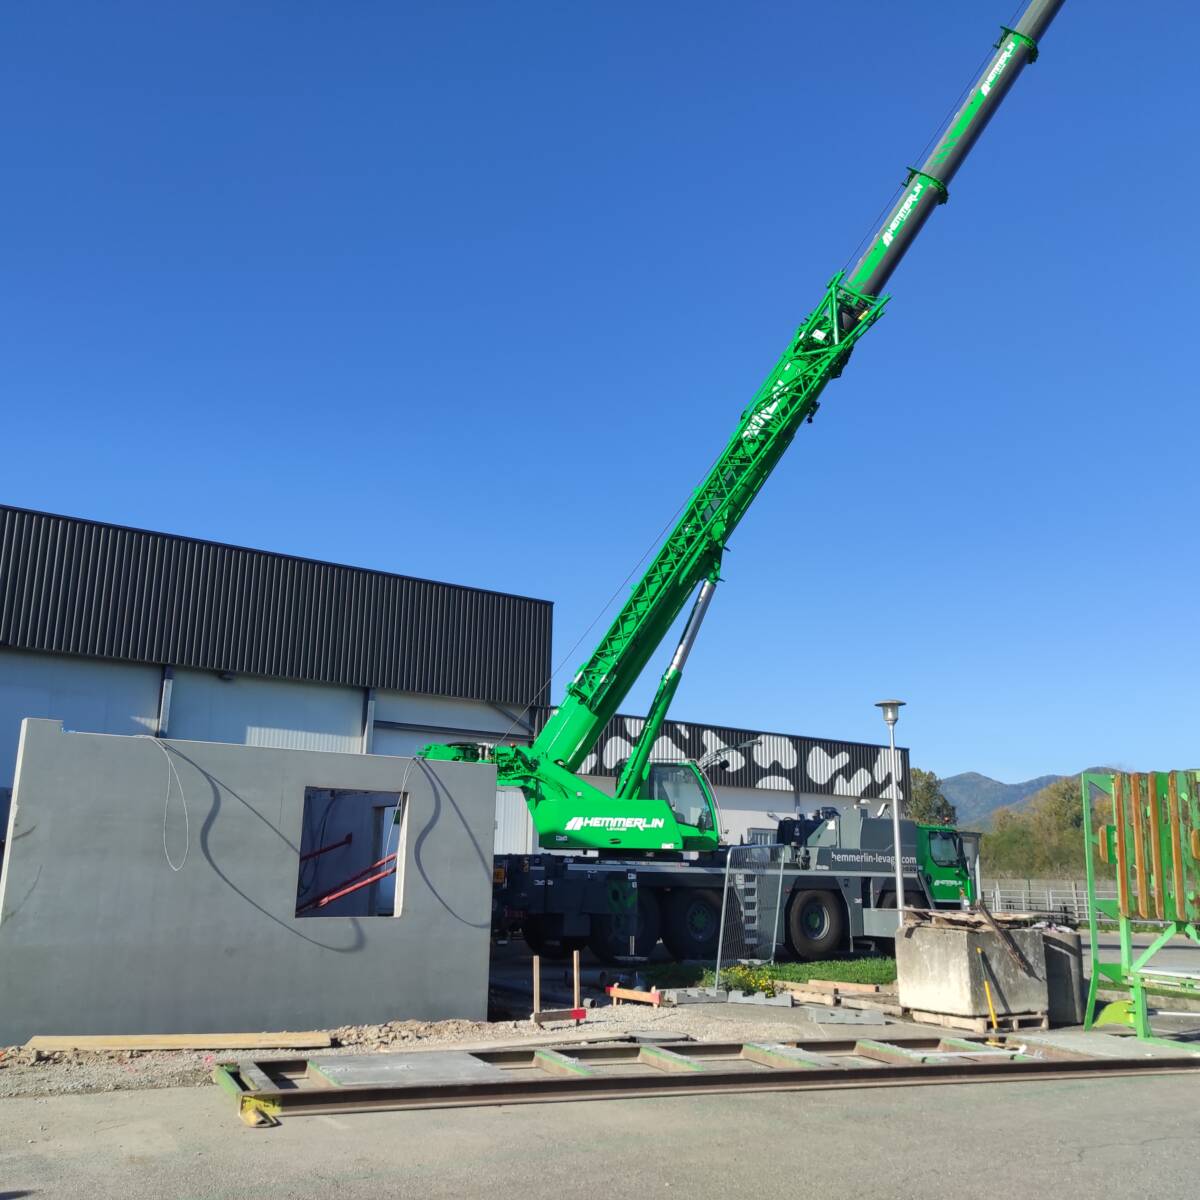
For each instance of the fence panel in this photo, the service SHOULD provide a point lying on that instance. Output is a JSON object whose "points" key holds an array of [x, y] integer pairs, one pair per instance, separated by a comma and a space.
{"points": [[751, 905], [1062, 899]]}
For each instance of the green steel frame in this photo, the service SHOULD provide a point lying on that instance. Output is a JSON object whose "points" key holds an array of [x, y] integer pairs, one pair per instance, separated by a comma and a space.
{"points": [[1147, 829]]}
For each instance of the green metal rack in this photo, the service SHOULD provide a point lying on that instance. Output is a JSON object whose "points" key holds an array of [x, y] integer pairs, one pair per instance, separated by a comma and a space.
{"points": [[1145, 828]]}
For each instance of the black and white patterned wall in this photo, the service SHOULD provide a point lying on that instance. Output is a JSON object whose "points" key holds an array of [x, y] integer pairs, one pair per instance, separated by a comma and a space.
{"points": [[772, 761]]}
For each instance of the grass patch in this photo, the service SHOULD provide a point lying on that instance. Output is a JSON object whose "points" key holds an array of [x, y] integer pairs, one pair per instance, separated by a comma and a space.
{"points": [[756, 977], [840, 970]]}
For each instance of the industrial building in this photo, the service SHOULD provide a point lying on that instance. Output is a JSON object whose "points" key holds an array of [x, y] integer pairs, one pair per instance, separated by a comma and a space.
{"points": [[123, 631], [214, 745]]}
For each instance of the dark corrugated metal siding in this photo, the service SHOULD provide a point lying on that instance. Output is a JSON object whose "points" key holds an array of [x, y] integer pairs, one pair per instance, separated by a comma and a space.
{"points": [[776, 761], [78, 587]]}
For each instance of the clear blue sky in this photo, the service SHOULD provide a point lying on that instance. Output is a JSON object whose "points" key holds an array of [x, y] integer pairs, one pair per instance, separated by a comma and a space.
{"points": [[475, 292]]}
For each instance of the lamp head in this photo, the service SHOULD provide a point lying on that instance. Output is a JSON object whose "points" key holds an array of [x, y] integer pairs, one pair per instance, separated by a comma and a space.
{"points": [[891, 710]]}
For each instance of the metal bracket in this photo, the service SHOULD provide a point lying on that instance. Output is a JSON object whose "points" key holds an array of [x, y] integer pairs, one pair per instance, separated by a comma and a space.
{"points": [[942, 190], [1024, 39]]}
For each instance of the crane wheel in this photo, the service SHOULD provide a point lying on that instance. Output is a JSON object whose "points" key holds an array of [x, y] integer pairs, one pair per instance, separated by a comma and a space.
{"points": [[610, 933], [692, 923], [816, 924], [543, 937]]}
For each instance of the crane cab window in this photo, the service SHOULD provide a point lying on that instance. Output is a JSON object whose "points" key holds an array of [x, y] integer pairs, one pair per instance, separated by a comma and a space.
{"points": [[945, 849], [680, 786]]}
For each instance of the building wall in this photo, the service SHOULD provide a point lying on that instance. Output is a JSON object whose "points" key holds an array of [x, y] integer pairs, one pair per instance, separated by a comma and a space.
{"points": [[92, 695], [70, 586], [99, 934], [265, 712], [405, 722], [85, 694]]}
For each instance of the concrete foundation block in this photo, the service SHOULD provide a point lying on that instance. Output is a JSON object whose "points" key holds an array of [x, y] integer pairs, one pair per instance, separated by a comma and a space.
{"points": [[1064, 976], [943, 971]]}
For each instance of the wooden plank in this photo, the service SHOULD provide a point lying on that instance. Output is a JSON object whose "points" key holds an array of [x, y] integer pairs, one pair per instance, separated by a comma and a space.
{"points": [[558, 1014], [859, 988], [182, 1041], [1176, 847], [1122, 847], [889, 1007], [667, 1060], [1156, 863], [554, 1063], [619, 993], [1139, 845], [1007, 1021], [803, 994]]}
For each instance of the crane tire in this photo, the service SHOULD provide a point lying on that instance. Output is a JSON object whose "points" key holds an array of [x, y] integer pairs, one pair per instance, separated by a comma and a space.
{"points": [[609, 940], [692, 923], [816, 924], [543, 939]]}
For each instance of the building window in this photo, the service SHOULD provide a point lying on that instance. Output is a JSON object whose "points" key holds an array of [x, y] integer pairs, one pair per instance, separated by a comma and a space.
{"points": [[351, 853]]}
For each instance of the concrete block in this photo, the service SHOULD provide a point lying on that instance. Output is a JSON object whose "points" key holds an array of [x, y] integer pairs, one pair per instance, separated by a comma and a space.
{"points": [[943, 971], [823, 1015], [783, 1001], [1064, 976]]}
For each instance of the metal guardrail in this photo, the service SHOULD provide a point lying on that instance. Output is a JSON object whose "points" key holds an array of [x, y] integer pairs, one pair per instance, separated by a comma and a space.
{"points": [[1064, 899]]}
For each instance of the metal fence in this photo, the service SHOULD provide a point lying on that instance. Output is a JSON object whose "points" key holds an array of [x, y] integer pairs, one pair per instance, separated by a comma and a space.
{"points": [[751, 906], [1064, 899]]}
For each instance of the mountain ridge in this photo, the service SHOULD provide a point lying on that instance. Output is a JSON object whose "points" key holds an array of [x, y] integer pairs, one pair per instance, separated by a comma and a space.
{"points": [[976, 797]]}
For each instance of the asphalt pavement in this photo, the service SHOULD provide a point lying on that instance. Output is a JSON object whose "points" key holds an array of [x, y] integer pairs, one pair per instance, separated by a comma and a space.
{"points": [[1180, 954], [1061, 1138]]}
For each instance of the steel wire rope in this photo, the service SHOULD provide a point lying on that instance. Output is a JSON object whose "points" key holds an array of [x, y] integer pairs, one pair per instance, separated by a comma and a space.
{"points": [[172, 773]]}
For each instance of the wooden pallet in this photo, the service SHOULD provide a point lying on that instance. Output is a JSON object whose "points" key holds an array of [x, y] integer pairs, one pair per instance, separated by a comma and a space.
{"points": [[1008, 1022]]}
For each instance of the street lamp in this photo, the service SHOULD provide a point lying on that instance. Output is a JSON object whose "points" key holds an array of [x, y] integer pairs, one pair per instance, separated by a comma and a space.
{"points": [[891, 714]]}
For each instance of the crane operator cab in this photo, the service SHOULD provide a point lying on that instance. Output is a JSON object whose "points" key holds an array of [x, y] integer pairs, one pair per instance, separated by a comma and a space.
{"points": [[683, 786]]}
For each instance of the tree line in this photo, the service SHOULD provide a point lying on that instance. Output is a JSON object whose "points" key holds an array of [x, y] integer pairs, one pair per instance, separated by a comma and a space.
{"points": [[1040, 840]]}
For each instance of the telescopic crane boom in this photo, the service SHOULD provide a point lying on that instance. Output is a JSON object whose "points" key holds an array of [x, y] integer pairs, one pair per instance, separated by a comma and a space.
{"points": [[670, 809]]}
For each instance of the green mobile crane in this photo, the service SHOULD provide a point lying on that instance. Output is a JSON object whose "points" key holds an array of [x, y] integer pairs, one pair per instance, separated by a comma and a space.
{"points": [[653, 814], [665, 808]]}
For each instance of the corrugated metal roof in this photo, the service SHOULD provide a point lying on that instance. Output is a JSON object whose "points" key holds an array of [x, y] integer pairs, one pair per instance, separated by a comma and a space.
{"points": [[72, 586], [771, 761]]}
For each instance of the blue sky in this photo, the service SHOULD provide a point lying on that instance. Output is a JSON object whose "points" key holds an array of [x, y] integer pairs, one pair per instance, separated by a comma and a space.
{"points": [[476, 291]]}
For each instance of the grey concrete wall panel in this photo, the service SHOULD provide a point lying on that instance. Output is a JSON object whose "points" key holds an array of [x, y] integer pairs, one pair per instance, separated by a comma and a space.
{"points": [[266, 712], [775, 761], [80, 587], [87, 696], [99, 935]]}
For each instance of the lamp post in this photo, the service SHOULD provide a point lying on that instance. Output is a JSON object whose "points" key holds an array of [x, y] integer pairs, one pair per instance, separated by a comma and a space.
{"points": [[891, 714]]}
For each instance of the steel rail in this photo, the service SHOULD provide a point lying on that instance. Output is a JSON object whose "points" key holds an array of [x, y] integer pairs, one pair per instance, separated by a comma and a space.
{"points": [[267, 1106]]}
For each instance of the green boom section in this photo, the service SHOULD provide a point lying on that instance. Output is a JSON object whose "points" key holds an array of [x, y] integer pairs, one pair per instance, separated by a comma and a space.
{"points": [[692, 550]]}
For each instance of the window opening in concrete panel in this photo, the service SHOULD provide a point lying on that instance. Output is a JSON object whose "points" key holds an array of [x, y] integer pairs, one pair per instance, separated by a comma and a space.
{"points": [[350, 846]]}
